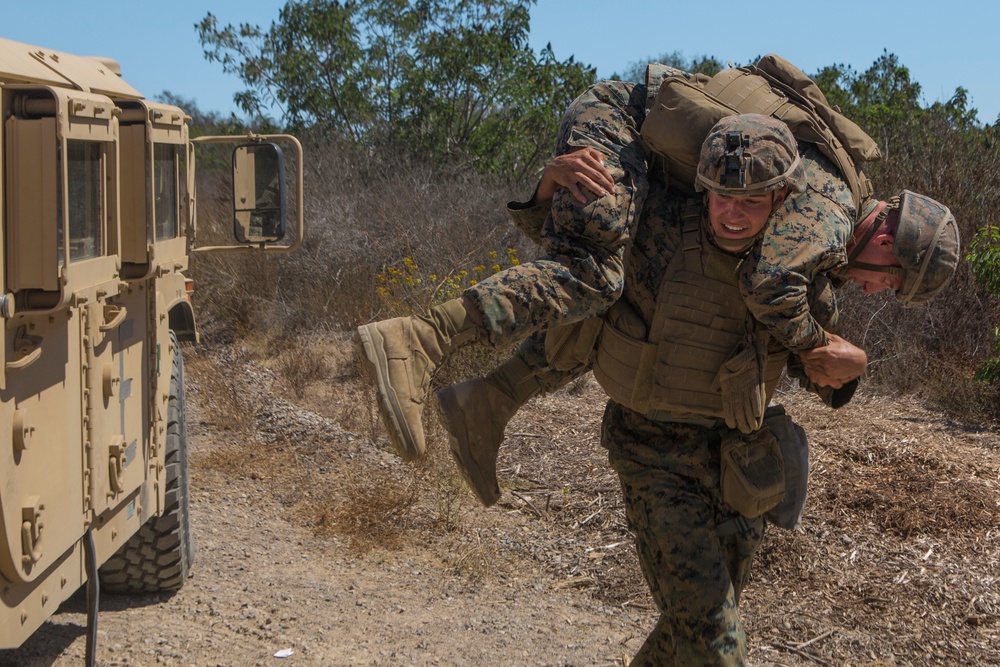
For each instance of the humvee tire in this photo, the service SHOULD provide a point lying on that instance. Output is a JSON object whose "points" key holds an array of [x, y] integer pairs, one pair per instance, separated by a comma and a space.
{"points": [[158, 556]]}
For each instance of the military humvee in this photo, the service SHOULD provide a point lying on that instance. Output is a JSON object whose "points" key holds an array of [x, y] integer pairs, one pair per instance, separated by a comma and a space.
{"points": [[98, 209]]}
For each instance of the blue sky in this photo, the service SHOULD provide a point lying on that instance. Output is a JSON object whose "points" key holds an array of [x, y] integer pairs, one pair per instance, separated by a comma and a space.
{"points": [[944, 44]]}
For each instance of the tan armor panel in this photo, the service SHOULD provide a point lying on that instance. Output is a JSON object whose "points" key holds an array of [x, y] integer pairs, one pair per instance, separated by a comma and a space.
{"points": [[97, 205]]}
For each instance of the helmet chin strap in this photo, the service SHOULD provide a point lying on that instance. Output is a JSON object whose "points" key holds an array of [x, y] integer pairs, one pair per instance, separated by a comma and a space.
{"points": [[881, 268]]}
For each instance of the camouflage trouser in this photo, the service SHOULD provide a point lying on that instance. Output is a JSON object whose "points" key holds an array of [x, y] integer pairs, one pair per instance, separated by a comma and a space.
{"points": [[582, 271], [694, 550], [532, 353]]}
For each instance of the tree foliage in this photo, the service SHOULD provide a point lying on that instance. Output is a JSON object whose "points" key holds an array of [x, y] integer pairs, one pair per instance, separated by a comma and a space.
{"points": [[212, 122], [984, 259], [447, 80], [454, 83], [636, 71], [882, 99]]}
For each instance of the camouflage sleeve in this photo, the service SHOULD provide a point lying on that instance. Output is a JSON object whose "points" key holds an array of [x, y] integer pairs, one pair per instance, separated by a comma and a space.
{"points": [[776, 296], [823, 307], [606, 117], [804, 240], [529, 217]]}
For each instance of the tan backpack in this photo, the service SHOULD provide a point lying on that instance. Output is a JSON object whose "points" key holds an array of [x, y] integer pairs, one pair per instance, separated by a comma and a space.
{"points": [[687, 106]]}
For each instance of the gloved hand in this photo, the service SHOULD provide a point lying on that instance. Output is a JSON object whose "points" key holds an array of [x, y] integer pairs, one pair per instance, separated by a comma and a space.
{"points": [[740, 379]]}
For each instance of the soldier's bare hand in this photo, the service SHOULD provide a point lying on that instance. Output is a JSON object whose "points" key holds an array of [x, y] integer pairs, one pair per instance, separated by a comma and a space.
{"points": [[834, 364], [581, 171]]}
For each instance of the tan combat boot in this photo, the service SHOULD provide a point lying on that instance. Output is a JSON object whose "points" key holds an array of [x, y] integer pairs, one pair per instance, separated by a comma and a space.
{"points": [[475, 413], [402, 355]]}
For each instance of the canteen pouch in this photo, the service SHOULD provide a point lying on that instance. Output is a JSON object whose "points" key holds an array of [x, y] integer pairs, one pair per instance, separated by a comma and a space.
{"points": [[751, 472]]}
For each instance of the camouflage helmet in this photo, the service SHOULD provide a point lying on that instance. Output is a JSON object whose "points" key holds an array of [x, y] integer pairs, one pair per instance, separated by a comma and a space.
{"points": [[926, 245], [749, 154], [925, 242]]}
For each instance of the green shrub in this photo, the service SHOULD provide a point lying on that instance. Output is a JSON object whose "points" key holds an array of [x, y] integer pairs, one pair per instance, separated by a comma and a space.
{"points": [[984, 258]]}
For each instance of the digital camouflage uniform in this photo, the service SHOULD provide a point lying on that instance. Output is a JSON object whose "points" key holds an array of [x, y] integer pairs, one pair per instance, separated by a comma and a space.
{"points": [[669, 475], [581, 274], [694, 549], [804, 238]]}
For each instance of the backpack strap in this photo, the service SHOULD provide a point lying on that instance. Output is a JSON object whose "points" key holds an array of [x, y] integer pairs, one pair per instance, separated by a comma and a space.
{"points": [[839, 138]]}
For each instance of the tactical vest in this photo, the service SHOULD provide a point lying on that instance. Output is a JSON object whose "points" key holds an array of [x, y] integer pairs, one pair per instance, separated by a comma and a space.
{"points": [[669, 373], [687, 106]]}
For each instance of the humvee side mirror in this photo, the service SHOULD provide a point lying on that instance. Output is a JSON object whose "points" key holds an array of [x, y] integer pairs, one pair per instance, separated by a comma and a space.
{"points": [[258, 193], [260, 207]]}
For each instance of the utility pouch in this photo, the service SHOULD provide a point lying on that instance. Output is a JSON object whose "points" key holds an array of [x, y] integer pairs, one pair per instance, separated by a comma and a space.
{"points": [[795, 460], [752, 475], [625, 360], [569, 346]]}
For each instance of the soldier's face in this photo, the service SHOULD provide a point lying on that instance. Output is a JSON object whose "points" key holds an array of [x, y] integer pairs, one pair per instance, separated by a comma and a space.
{"points": [[738, 218], [878, 252]]}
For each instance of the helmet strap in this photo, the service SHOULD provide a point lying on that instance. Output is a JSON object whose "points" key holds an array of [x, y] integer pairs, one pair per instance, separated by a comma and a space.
{"points": [[881, 268]]}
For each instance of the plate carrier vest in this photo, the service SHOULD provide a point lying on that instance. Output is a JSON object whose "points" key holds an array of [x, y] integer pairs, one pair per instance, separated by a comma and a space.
{"points": [[699, 319]]}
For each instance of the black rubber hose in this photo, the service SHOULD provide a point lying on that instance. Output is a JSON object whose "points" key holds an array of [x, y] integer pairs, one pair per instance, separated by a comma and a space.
{"points": [[93, 596]]}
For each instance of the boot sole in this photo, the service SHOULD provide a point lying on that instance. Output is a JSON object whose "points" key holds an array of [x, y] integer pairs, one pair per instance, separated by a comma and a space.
{"points": [[373, 347], [458, 438]]}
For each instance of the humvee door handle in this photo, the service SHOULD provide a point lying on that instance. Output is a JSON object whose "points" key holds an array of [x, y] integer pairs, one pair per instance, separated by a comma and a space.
{"points": [[117, 315], [26, 360], [26, 345]]}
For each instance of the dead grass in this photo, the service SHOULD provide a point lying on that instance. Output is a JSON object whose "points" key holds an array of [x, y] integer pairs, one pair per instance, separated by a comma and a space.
{"points": [[301, 366], [434, 224], [933, 491], [226, 403], [898, 557], [336, 483], [477, 560], [371, 508]]}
